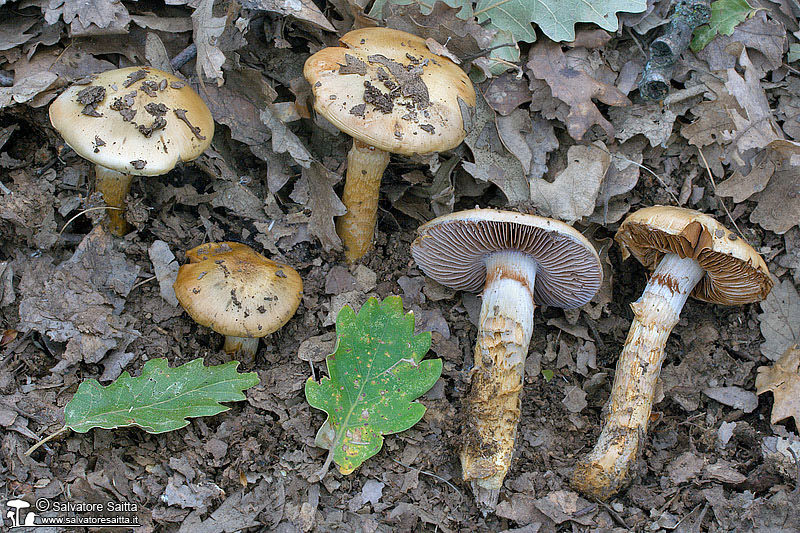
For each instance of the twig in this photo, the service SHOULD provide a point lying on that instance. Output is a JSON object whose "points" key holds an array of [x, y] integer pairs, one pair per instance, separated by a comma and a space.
{"points": [[665, 50], [86, 211], [46, 439], [148, 280], [186, 55], [797, 465], [443, 480], [714, 183], [614, 515]]}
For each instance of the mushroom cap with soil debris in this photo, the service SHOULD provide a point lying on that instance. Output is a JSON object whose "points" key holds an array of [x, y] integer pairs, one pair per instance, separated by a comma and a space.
{"points": [[137, 120], [734, 272], [235, 291], [428, 103], [452, 249]]}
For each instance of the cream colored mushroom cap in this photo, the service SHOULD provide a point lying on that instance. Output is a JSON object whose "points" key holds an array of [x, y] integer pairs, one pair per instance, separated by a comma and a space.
{"points": [[236, 291], [452, 249], [735, 272], [111, 141], [411, 127]]}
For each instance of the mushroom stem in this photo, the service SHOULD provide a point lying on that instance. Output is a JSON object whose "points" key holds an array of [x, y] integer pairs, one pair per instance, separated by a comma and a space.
{"points": [[493, 403], [365, 166], [241, 345], [115, 186], [606, 470]]}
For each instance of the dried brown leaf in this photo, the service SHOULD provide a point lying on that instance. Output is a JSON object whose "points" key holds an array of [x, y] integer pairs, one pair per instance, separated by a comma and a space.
{"points": [[779, 320], [304, 10], [756, 127], [207, 29], [324, 204], [493, 163], [573, 193], [574, 87], [783, 379]]}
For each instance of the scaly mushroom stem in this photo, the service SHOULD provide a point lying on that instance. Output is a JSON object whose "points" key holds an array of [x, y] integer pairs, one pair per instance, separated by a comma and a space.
{"points": [[115, 186], [493, 403], [241, 345], [365, 166], [606, 470]]}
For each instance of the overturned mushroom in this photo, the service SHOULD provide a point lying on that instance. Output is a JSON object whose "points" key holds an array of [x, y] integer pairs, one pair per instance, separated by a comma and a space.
{"points": [[392, 95], [237, 292], [689, 253], [519, 261], [136, 121]]}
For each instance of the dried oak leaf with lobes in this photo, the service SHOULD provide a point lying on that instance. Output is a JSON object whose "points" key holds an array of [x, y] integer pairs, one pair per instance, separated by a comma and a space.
{"points": [[783, 379], [575, 88], [207, 28]]}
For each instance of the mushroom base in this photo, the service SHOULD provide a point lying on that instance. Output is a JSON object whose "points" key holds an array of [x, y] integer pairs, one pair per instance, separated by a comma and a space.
{"points": [[606, 470], [493, 403], [241, 345], [365, 167], [115, 186]]}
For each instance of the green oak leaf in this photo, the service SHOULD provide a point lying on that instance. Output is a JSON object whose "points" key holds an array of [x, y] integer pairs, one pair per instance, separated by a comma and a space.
{"points": [[556, 18], [725, 15], [160, 399], [376, 373]]}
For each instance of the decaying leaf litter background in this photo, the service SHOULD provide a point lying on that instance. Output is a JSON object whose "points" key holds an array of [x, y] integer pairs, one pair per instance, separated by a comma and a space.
{"points": [[565, 134]]}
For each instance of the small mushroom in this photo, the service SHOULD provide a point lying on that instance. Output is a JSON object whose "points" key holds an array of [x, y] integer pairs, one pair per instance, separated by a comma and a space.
{"points": [[136, 121], [392, 95], [237, 292], [688, 253], [519, 261]]}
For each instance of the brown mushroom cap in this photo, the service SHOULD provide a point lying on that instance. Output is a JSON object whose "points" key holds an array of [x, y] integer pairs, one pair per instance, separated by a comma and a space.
{"points": [[236, 291], [92, 120], [429, 111], [735, 272], [452, 249]]}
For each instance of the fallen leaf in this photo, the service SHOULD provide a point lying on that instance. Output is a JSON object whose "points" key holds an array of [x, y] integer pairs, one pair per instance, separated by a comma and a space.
{"points": [[725, 16], [304, 10], [207, 29], [573, 193], [161, 399], [379, 341], [323, 204], [166, 270], [783, 379], [756, 128], [778, 206], [574, 399], [574, 87], [529, 138], [91, 287], [493, 163], [507, 92], [735, 397], [779, 320], [80, 15], [764, 37], [283, 140]]}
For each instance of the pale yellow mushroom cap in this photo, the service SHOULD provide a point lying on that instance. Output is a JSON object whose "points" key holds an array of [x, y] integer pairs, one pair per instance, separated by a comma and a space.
{"points": [[385, 88], [735, 272], [129, 120], [236, 291]]}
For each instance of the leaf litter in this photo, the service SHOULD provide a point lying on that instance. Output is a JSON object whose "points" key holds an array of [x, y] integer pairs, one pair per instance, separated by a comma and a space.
{"points": [[273, 180]]}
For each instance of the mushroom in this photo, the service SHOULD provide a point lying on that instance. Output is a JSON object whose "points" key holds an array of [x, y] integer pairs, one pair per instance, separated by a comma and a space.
{"points": [[519, 261], [392, 95], [689, 253], [232, 289], [136, 121]]}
